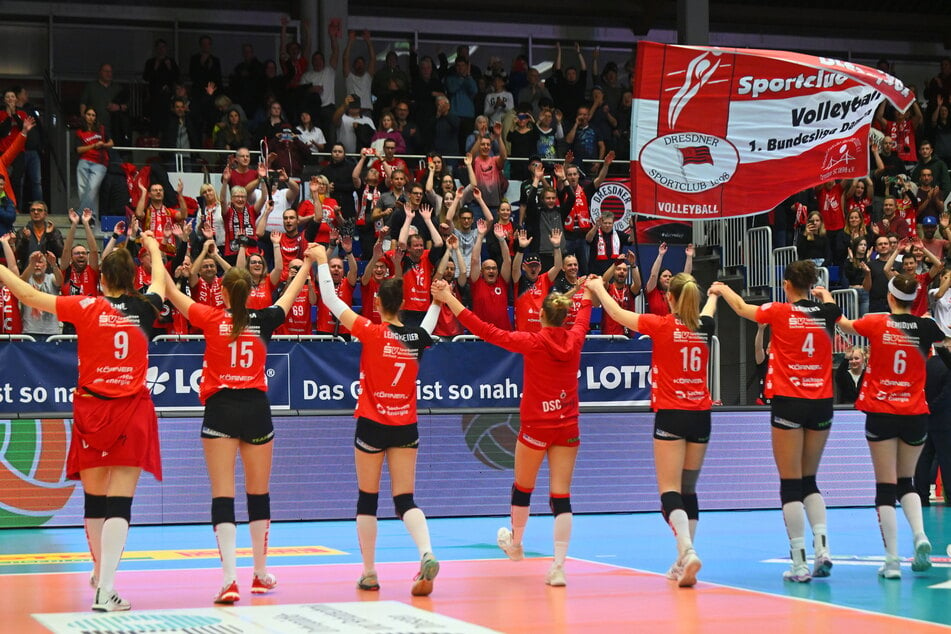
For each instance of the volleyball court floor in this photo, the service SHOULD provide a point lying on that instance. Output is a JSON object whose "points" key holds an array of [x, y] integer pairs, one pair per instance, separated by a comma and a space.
{"points": [[615, 575]]}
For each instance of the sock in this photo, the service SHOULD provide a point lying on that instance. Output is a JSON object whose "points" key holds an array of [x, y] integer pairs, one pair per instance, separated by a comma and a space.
{"points": [[519, 521], [114, 533], [681, 526], [820, 539], [815, 507], [795, 521], [911, 506], [888, 522], [93, 527], [693, 530], [260, 530], [415, 522], [366, 535], [797, 551], [226, 535], [562, 534]]}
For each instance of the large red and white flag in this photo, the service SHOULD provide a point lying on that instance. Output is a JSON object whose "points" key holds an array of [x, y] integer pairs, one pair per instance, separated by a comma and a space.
{"points": [[721, 132]]}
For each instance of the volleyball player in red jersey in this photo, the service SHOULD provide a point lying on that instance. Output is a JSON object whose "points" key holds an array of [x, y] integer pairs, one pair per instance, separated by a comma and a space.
{"points": [[115, 431], [548, 412], [681, 401], [237, 413], [896, 413], [386, 418], [799, 386]]}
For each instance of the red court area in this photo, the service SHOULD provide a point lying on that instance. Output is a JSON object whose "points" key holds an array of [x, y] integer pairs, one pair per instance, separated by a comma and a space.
{"points": [[498, 594]]}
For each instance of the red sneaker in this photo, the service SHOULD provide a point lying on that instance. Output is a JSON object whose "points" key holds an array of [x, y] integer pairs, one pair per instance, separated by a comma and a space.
{"points": [[229, 594], [263, 585]]}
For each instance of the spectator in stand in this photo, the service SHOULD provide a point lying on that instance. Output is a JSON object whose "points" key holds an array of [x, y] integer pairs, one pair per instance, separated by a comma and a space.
{"points": [[321, 210], [940, 85], [204, 283], [550, 133], [479, 132], [394, 198], [849, 375], [247, 81], [387, 141], [408, 129], [309, 134], [856, 273], [367, 185], [939, 130], [461, 88], [419, 263], [274, 123], [928, 229], [909, 266], [8, 210], [658, 283], [294, 54], [11, 119], [814, 242], [489, 280], [43, 274], [877, 302], [500, 101], [440, 185], [391, 72], [39, 235], [319, 84], [288, 153], [426, 86], [534, 93], [239, 173], [299, 320], [339, 172], [154, 216], [606, 244], [446, 126], [161, 74], [930, 199], [343, 285], [568, 88], [412, 205], [375, 272], [263, 282], [239, 221], [447, 325], [887, 167], [464, 230], [232, 132], [928, 160], [7, 158], [183, 130], [203, 69], [354, 129], [621, 291], [80, 264], [523, 144], [940, 303], [533, 286], [28, 177], [505, 224], [586, 145], [902, 127], [602, 117], [891, 222], [855, 229], [858, 196], [359, 75], [579, 221], [93, 149], [546, 211], [488, 170], [830, 197], [285, 193], [110, 102]]}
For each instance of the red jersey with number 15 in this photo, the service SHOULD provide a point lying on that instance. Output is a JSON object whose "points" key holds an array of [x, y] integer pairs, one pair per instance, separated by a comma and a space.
{"points": [[800, 348], [389, 364], [679, 362], [235, 364]]}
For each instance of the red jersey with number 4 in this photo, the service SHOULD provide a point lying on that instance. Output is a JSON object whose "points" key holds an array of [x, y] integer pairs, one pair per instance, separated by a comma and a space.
{"points": [[235, 364], [800, 348], [679, 363], [894, 381], [113, 347], [389, 364]]}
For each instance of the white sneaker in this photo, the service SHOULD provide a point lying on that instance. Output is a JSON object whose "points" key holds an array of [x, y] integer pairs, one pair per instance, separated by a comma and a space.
{"points": [[675, 570], [109, 602], [798, 573], [555, 576], [515, 552], [891, 569], [822, 564], [689, 567], [922, 560]]}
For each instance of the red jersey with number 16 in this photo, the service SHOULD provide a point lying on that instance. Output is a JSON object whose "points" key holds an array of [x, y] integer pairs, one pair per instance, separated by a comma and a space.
{"points": [[800, 348], [894, 382], [679, 362], [235, 364], [389, 364]]}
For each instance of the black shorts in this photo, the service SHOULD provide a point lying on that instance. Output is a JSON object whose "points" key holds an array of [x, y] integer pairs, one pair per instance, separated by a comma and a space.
{"points": [[682, 424], [787, 412], [242, 414], [374, 437], [911, 430]]}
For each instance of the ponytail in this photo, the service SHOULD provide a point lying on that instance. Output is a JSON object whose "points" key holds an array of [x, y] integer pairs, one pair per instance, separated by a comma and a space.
{"points": [[556, 307], [686, 293]]}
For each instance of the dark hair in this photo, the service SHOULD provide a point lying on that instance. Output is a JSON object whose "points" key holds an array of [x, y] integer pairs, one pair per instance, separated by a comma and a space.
{"points": [[237, 281], [906, 284], [802, 274], [391, 295], [118, 271], [855, 244]]}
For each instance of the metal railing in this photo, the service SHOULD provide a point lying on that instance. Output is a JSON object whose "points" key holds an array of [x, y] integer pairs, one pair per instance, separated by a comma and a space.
{"points": [[782, 257], [758, 248], [847, 299]]}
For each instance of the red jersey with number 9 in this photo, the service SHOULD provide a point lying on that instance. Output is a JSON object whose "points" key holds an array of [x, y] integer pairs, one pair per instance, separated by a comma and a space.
{"points": [[679, 362], [235, 364], [389, 364], [800, 348]]}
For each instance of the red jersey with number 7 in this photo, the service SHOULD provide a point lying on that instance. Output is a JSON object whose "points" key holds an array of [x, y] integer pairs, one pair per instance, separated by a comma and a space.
{"points": [[234, 364], [679, 363], [800, 348], [389, 364]]}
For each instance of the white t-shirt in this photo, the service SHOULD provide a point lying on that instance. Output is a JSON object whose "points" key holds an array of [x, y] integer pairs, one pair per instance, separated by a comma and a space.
{"points": [[360, 86], [497, 104], [941, 310], [38, 322], [312, 138], [275, 222], [345, 133], [325, 78]]}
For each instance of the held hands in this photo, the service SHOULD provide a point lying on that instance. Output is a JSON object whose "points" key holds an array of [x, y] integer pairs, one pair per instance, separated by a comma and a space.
{"points": [[440, 291], [316, 253]]}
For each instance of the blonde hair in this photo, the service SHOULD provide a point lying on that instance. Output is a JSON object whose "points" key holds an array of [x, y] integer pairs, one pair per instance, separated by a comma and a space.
{"points": [[686, 295], [555, 308]]}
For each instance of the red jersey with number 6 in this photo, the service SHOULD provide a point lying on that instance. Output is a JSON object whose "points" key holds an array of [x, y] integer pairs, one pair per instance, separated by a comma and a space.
{"points": [[894, 382], [235, 364], [800, 348], [389, 364], [679, 362]]}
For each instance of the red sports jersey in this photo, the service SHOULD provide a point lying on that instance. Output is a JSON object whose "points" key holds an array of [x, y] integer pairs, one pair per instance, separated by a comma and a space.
{"points": [[326, 322], [261, 295], [10, 321], [207, 293], [369, 292], [920, 306], [829, 202], [85, 282], [291, 249], [236, 364], [679, 362], [447, 325], [490, 302], [657, 303], [528, 304], [389, 364], [552, 358], [300, 318], [624, 299], [800, 350], [113, 347], [894, 380], [417, 279]]}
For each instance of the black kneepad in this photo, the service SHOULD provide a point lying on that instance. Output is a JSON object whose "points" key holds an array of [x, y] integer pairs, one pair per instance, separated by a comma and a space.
{"points": [[885, 493], [367, 503], [790, 490], [521, 498], [691, 506], [560, 505], [809, 486], [222, 511], [119, 507], [905, 487], [94, 506], [670, 501], [403, 503], [259, 507]]}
